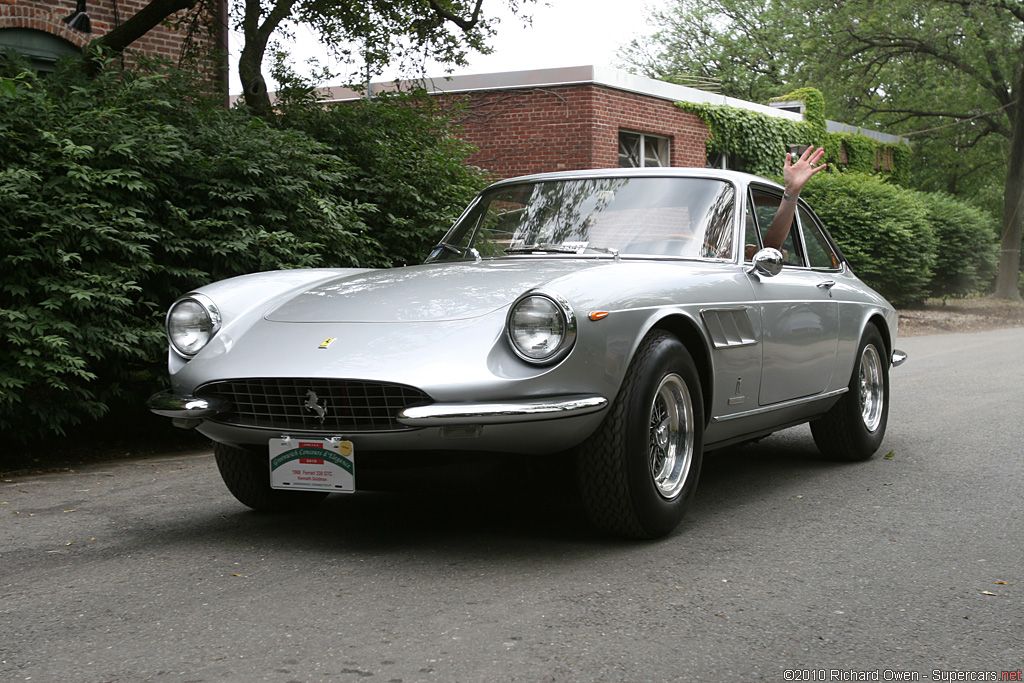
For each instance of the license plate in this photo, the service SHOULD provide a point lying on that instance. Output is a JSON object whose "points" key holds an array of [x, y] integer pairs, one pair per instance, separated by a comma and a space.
{"points": [[312, 465]]}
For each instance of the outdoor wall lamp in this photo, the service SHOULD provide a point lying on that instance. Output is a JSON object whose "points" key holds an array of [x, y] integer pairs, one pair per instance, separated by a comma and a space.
{"points": [[79, 19]]}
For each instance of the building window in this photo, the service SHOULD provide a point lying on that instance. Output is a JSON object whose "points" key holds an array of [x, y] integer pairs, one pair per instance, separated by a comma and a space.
{"points": [[726, 161], [41, 49], [639, 149]]}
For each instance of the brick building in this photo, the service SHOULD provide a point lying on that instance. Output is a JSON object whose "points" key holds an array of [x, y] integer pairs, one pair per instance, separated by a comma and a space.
{"points": [[580, 117], [46, 30]]}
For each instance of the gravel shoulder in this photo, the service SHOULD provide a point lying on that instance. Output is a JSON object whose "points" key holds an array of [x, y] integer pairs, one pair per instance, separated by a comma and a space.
{"points": [[961, 315]]}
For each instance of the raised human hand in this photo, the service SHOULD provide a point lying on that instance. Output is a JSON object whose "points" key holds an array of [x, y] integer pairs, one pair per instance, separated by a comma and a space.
{"points": [[796, 174]]}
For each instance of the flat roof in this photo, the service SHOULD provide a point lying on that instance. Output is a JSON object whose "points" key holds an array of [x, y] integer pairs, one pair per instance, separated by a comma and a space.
{"points": [[571, 75], [595, 75]]}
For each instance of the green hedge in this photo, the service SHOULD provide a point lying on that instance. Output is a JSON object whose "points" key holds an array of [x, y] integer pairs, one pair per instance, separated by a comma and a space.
{"points": [[121, 192], [967, 252], [908, 245], [882, 229]]}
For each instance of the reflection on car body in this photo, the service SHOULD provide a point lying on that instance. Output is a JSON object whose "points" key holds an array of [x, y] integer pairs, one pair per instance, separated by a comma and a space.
{"points": [[627, 317]]}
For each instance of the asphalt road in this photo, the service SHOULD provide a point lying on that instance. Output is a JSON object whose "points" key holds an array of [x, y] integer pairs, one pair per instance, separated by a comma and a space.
{"points": [[901, 566]]}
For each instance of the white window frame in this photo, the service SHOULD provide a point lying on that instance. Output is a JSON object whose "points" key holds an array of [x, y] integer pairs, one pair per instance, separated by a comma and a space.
{"points": [[645, 140]]}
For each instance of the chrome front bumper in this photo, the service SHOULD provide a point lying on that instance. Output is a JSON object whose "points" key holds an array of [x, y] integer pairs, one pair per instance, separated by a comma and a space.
{"points": [[434, 415], [504, 412], [898, 357]]}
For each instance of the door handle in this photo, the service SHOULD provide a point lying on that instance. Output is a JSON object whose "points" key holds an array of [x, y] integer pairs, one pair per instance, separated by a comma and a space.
{"points": [[827, 284]]}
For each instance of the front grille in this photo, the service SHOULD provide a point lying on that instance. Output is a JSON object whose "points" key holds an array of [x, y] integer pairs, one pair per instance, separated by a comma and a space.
{"points": [[318, 405]]}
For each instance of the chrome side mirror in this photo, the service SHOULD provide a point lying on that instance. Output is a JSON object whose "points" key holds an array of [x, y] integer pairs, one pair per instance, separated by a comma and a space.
{"points": [[767, 262]]}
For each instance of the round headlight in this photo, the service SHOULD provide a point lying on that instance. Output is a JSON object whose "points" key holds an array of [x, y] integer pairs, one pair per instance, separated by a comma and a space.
{"points": [[541, 329], [191, 324]]}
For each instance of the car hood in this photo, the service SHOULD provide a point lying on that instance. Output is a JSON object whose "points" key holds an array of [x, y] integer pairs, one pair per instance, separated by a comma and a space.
{"points": [[426, 293]]}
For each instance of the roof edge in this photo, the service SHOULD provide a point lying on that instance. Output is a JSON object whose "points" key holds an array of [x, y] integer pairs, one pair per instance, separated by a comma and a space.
{"points": [[547, 78]]}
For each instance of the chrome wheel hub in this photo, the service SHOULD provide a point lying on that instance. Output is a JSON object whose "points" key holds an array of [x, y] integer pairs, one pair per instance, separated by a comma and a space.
{"points": [[872, 388], [670, 442]]}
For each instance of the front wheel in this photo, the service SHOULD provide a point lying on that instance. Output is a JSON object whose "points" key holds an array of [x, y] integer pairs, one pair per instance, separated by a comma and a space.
{"points": [[247, 476], [854, 427], [638, 473]]}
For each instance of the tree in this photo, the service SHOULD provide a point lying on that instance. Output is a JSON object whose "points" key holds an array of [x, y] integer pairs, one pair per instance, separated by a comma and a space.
{"points": [[973, 51], [386, 30], [946, 72], [742, 48]]}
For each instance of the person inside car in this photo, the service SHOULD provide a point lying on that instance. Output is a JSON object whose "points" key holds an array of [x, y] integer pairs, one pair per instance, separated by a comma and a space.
{"points": [[795, 176]]}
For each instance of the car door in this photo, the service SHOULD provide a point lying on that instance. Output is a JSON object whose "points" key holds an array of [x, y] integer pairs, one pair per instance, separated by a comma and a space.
{"points": [[799, 316]]}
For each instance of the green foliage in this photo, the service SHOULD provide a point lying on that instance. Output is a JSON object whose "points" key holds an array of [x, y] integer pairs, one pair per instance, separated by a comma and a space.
{"points": [[942, 72], [814, 107], [367, 35], [967, 254], [120, 193], [760, 141], [882, 229], [740, 48], [405, 160], [116, 195]]}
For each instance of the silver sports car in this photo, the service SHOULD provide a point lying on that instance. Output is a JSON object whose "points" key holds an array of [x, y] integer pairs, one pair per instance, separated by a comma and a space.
{"points": [[627, 317]]}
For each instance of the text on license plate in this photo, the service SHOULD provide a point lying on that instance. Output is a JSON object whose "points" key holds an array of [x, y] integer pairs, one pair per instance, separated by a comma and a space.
{"points": [[312, 465]]}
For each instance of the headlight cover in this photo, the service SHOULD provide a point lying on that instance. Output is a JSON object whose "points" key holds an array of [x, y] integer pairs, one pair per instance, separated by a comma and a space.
{"points": [[191, 323], [541, 328]]}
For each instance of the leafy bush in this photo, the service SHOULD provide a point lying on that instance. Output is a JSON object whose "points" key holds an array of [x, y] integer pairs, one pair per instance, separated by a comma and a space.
{"points": [[116, 195], [967, 253], [405, 159], [882, 229]]}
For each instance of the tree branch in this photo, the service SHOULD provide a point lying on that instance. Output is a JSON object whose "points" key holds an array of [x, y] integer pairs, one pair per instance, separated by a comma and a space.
{"points": [[140, 23], [464, 24]]}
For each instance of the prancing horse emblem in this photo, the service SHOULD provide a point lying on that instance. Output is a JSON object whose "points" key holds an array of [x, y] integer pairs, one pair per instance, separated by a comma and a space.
{"points": [[312, 403]]}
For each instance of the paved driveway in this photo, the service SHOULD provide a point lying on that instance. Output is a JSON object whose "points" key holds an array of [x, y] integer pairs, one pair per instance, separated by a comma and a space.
{"points": [[150, 571]]}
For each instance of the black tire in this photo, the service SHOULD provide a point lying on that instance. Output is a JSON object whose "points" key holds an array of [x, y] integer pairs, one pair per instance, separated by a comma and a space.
{"points": [[854, 427], [247, 476], [657, 419]]}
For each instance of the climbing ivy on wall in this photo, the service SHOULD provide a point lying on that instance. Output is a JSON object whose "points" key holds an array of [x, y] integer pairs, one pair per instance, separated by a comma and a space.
{"points": [[814, 106], [761, 141], [863, 153]]}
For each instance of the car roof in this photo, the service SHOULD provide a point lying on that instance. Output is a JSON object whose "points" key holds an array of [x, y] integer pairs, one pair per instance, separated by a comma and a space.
{"points": [[737, 177]]}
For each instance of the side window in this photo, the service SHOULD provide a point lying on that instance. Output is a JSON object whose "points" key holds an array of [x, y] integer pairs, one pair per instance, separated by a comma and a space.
{"points": [[819, 252], [765, 207]]}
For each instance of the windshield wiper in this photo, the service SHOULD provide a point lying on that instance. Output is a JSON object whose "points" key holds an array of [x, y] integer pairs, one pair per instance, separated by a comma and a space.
{"points": [[544, 247], [605, 250], [450, 248]]}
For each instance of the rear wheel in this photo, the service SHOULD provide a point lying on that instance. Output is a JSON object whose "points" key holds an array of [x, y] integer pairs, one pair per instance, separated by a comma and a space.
{"points": [[638, 473], [247, 476], [855, 426]]}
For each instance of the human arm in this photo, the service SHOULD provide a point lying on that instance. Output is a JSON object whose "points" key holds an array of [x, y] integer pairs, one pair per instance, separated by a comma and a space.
{"points": [[795, 176]]}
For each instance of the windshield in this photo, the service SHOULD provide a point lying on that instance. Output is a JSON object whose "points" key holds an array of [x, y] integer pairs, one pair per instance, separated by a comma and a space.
{"points": [[642, 216]]}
